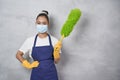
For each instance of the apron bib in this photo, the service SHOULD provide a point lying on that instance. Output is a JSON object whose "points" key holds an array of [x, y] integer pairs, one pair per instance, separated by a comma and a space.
{"points": [[46, 70]]}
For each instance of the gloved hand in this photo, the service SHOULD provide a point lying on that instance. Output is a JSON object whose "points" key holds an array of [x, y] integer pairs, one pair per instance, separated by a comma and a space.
{"points": [[34, 64], [27, 65], [57, 48]]}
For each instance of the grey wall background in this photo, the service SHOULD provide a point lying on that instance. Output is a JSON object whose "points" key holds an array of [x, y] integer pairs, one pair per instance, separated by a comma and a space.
{"points": [[91, 52]]}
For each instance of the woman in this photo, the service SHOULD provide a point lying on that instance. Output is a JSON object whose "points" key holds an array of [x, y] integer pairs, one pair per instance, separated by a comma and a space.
{"points": [[41, 50]]}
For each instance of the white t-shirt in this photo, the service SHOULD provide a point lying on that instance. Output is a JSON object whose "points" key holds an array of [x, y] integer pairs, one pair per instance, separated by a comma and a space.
{"points": [[29, 42]]}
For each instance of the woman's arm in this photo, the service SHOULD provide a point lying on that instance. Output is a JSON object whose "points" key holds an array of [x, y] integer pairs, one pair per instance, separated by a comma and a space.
{"points": [[19, 56], [24, 62], [56, 60], [56, 52]]}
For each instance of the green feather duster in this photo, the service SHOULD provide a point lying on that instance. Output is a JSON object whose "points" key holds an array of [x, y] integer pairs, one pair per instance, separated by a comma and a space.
{"points": [[72, 19], [67, 28]]}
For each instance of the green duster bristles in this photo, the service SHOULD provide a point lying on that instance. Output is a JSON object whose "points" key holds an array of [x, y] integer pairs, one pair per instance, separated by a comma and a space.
{"points": [[72, 19]]}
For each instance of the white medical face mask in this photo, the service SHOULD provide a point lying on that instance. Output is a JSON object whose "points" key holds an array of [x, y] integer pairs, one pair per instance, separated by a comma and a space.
{"points": [[42, 28]]}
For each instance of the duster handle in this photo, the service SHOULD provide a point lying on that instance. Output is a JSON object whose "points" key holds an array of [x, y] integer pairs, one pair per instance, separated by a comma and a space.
{"points": [[62, 37]]}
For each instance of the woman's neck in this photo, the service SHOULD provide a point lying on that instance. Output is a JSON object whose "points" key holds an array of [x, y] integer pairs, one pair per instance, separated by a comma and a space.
{"points": [[43, 35]]}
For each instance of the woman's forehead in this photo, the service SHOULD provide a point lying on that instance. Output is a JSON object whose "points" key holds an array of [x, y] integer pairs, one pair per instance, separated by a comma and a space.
{"points": [[42, 18]]}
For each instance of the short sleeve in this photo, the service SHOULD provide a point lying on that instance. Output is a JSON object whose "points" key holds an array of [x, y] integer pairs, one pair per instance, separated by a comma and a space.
{"points": [[25, 47]]}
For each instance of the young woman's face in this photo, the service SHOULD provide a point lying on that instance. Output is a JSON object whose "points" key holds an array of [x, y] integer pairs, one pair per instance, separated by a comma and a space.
{"points": [[42, 20]]}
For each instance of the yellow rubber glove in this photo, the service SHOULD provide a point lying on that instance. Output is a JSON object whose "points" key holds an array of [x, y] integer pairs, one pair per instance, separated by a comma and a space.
{"points": [[57, 48], [27, 65], [35, 64]]}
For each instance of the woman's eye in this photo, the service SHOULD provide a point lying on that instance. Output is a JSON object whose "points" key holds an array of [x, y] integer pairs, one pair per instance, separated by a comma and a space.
{"points": [[38, 22], [44, 23]]}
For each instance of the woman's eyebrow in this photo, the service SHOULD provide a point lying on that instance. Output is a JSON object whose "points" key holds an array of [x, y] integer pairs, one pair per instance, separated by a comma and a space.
{"points": [[37, 21], [41, 22]]}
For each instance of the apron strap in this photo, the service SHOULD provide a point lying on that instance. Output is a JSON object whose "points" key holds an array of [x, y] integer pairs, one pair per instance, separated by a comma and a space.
{"points": [[36, 40], [50, 40]]}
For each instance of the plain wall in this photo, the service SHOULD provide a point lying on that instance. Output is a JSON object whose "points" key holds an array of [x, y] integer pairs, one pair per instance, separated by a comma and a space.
{"points": [[91, 52]]}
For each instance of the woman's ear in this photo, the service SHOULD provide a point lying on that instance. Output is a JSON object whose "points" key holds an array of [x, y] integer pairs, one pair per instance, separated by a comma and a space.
{"points": [[48, 25]]}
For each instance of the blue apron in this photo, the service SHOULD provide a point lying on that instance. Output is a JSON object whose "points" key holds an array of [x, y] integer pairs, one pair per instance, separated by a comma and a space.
{"points": [[46, 69]]}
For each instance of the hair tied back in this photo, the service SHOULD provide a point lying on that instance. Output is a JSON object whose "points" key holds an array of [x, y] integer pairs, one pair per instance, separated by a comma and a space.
{"points": [[44, 12]]}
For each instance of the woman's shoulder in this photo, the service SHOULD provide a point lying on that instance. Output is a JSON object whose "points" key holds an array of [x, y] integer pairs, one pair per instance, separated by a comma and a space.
{"points": [[53, 38], [30, 39]]}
